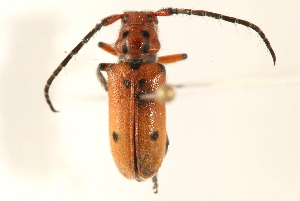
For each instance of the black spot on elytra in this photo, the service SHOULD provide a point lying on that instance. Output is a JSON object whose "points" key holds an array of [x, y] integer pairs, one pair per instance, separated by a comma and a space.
{"points": [[127, 83], [154, 135], [124, 48], [115, 136], [142, 82]]}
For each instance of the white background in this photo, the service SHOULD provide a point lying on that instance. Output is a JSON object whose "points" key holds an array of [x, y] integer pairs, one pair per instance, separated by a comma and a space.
{"points": [[240, 142]]}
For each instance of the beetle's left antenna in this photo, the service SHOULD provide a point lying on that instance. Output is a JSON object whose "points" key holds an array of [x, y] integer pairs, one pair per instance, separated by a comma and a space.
{"points": [[106, 21]]}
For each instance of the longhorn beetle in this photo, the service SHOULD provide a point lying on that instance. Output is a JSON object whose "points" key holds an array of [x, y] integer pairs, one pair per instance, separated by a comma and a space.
{"points": [[137, 126]]}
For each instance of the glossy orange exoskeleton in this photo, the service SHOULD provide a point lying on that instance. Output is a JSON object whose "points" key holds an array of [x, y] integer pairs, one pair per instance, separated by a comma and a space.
{"points": [[137, 127]]}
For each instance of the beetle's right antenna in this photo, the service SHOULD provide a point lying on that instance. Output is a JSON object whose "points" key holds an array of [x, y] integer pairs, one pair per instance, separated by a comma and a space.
{"points": [[106, 21], [171, 11]]}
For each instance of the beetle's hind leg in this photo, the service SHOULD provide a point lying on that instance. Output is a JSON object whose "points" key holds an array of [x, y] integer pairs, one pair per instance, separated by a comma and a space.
{"points": [[167, 145], [154, 178], [155, 183]]}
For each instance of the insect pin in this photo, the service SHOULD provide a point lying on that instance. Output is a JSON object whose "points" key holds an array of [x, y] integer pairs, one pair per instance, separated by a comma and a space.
{"points": [[137, 119]]}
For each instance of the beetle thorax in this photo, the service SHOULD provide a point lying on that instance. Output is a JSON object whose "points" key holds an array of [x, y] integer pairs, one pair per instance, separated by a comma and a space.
{"points": [[138, 40]]}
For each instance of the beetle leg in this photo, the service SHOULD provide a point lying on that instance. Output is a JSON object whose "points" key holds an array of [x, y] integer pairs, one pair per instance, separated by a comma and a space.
{"points": [[103, 66], [171, 58], [154, 178], [108, 48], [155, 183], [101, 78], [167, 144]]}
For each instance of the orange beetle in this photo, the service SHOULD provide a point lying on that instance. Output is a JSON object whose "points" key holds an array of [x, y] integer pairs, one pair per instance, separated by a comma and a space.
{"points": [[137, 127]]}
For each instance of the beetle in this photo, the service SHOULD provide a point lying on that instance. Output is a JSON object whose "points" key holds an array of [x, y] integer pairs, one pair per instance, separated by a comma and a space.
{"points": [[137, 126]]}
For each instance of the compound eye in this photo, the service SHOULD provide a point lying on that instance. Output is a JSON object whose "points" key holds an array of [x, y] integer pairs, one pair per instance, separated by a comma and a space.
{"points": [[151, 19], [126, 17], [149, 16]]}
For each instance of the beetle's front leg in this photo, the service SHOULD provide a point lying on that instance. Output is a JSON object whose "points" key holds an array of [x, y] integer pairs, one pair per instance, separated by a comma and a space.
{"points": [[108, 48], [101, 78]]}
